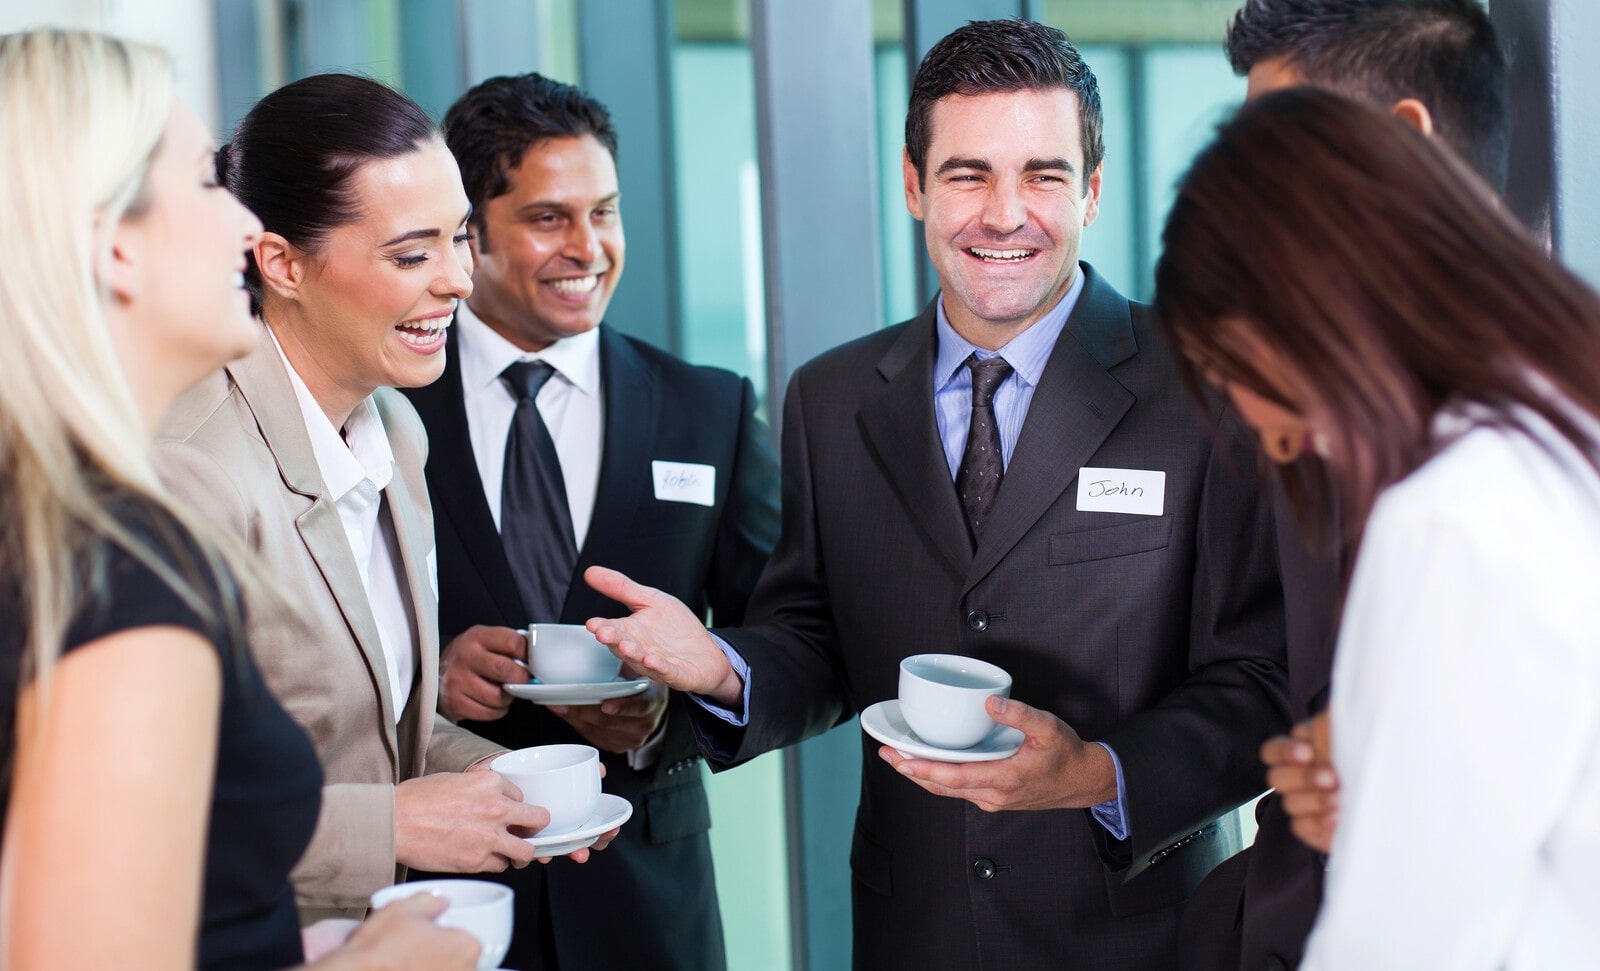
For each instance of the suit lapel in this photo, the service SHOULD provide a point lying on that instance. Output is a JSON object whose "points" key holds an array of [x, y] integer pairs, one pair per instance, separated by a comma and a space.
{"points": [[1075, 408], [900, 428], [453, 470], [264, 384], [632, 411]]}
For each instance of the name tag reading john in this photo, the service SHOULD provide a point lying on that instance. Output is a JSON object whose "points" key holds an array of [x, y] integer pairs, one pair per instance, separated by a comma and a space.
{"points": [[1137, 491], [685, 482]]}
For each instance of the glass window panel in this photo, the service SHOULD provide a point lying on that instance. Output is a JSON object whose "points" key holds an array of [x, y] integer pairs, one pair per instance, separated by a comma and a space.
{"points": [[1188, 89], [723, 310], [719, 208], [1109, 244]]}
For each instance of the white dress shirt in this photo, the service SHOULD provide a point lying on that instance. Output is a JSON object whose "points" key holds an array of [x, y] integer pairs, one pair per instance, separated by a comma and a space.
{"points": [[1466, 715], [570, 404], [573, 410], [356, 467]]}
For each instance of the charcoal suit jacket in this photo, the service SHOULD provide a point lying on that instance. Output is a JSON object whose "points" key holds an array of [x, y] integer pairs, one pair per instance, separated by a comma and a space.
{"points": [[1160, 635]]}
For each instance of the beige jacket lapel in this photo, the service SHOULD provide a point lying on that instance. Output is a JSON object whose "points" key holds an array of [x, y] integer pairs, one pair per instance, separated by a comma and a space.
{"points": [[263, 382]]}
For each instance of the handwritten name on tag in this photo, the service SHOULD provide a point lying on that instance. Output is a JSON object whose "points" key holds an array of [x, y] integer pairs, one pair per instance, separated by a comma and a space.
{"points": [[1122, 490], [685, 482]]}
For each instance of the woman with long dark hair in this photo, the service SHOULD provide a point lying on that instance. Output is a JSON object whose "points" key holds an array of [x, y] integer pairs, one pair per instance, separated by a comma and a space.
{"points": [[1367, 304]]}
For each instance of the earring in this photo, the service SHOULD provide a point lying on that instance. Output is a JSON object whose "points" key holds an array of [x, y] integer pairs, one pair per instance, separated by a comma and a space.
{"points": [[1284, 443]]}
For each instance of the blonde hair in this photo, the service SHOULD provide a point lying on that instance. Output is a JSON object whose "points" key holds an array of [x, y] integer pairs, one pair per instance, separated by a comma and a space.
{"points": [[84, 114]]}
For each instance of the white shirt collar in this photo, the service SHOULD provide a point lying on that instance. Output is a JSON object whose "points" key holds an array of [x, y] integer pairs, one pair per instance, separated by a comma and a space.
{"points": [[361, 454], [484, 354]]}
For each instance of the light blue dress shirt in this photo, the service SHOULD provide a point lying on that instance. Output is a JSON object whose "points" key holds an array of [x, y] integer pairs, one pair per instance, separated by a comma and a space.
{"points": [[1027, 353]]}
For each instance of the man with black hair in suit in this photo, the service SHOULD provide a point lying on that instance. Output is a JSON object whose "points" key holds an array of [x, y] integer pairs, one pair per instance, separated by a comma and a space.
{"points": [[1437, 65], [558, 443]]}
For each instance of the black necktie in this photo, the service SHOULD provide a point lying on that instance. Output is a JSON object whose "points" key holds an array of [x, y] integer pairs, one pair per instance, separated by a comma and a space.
{"points": [[535, 522], [978, 478]]}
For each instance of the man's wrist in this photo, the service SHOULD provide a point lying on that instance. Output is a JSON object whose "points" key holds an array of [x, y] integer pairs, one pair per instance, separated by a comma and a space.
{"points": [[729, 693]]}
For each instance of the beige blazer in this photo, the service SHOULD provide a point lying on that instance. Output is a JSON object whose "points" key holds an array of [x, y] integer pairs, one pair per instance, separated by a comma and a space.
{"points": [[236, 447]]}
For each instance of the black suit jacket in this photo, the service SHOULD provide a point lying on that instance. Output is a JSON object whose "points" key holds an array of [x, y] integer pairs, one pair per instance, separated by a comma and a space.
{"points": [[649, 900], [1161, 635], [1254, 912]]}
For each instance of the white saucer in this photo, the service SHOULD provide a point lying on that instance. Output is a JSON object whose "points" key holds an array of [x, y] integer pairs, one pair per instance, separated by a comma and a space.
{"points": [[576, 694], [611, 812], [883, 722]]}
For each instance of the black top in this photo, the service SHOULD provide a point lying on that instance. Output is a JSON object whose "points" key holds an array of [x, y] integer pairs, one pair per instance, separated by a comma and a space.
{"points": [[268, 785]]}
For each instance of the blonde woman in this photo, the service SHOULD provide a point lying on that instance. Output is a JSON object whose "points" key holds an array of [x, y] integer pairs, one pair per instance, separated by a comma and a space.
{"points": [[153, 792]]}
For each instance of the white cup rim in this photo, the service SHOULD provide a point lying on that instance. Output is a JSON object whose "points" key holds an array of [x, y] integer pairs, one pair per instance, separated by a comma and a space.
{"points": [[479, 894], [920, 665], [545, 758]]}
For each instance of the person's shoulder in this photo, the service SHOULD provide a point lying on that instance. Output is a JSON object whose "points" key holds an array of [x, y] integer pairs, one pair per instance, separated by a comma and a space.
{"points": [[676, 371], [864, 352], [157, 575], [205, 405], [1500, 478]]}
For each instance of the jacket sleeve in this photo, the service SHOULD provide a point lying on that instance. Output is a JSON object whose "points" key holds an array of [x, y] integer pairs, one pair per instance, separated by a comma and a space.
{"points": [[796, 685]]}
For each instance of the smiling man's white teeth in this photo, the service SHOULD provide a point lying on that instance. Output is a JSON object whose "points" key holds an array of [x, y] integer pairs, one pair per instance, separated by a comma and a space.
{"points": [[581, 285], [1009, 255]]}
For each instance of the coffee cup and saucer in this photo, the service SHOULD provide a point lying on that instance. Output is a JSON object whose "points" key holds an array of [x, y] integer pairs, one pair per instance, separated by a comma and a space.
{"points": [[570, 667], [565, 780], [940, 714]]}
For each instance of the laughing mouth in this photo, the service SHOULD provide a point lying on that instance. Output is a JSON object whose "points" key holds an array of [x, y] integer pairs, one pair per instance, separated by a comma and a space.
{"points": [[1001, 255], [576, 286], [421, 333]]}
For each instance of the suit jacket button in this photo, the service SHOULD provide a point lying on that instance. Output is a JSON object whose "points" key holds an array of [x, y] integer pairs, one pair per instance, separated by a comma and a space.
{"points": [[984, 868], [1275, 963], [978, 620]]}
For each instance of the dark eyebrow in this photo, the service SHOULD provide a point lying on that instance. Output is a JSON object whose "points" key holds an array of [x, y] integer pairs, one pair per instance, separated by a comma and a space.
{"points": [[548, 205], [976, 164], [1048, 165], [414, 234], [423, 233]]}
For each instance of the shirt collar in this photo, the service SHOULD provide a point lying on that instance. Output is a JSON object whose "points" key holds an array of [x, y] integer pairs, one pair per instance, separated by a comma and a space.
{"points": [[361, 454], [484, 354], [1027, 353]]}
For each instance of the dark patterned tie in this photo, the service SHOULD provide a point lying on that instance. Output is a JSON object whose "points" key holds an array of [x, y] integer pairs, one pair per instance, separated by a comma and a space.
{"points": [[978, 478], [535, 521]]}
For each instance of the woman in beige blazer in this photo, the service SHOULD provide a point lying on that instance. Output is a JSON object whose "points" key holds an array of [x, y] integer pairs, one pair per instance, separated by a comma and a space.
{"points": [[304, 450]]}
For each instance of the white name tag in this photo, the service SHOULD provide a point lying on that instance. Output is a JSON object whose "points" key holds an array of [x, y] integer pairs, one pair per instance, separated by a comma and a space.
{"points": [[685, 482], [1122, 490]]}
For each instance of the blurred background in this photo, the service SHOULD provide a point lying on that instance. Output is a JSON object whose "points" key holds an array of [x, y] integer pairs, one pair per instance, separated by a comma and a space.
{"points": [[760, 166]]}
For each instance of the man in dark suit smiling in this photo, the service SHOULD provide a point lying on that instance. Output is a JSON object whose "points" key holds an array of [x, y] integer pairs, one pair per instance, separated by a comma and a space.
{"points": [[557, 443], [936, 500]]}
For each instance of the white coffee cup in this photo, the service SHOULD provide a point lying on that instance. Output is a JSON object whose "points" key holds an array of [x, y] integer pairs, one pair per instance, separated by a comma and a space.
{"points": [[942, 698], [564, 779], [569, 654], [480, 908]]}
